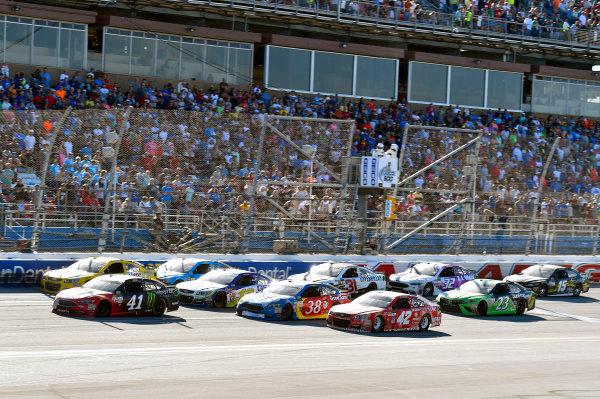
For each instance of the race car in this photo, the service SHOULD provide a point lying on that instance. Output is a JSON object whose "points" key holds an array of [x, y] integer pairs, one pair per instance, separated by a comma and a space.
{"points": [[481, 297], [378, 311], [286, 300], [430, 278], [551, 280], [352, 278], [86, 269], [221, 288], [117, 295], [178, 270]]}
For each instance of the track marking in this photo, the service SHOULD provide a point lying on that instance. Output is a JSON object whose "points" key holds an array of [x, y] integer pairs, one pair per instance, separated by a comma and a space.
{"points": [[285, 346], [546, 312]]}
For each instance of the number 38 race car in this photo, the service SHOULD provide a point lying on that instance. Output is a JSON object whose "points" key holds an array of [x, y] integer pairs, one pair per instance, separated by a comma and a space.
{"points": [[385, 311], [287, 300], [117, 295]]}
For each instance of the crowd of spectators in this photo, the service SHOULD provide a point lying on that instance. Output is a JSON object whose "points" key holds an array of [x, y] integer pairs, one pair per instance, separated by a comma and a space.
{"points": [[202, 153]]}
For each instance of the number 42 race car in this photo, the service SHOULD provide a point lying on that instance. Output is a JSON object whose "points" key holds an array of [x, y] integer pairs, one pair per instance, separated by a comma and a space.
{"points": [[117, 295]]}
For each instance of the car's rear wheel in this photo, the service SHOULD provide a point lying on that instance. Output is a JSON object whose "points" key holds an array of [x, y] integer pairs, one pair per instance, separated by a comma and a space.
{"points": [[286, 312], [220, 300], [159, 307], [378, 324], [521, 306], [372, 287], [424, 323], [428, 289], [103, 309], [482, 308], [577, 289], [543, 290]]}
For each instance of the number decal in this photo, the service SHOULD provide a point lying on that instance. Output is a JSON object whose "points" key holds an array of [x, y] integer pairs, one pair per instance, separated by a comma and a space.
{"points": [[131, 304], [351, 286], [246, 291], [562, 286], [404, 317], [448, 283], [314, 307], [502, 303]]}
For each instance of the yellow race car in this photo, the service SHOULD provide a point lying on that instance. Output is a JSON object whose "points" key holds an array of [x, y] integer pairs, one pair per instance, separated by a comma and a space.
{"points": [[86, 269]]}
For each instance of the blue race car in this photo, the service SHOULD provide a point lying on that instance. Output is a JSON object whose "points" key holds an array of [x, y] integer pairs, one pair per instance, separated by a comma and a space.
{"points": [[221, 288], [286, 300], [178, 270]]}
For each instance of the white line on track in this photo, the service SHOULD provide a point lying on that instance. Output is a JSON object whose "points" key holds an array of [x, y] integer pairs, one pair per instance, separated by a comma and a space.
{"points": [[4, 355], [547, 312]]}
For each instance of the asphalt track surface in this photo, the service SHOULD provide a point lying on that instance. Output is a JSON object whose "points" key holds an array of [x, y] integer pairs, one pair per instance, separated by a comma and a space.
{"points": [[551, 352]]}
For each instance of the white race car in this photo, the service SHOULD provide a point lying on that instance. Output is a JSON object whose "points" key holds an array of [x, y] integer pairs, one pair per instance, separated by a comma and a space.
{"points": [[429, 279], [355, 279]]}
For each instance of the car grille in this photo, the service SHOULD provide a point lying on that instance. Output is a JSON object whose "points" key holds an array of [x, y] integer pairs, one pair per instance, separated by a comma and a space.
{"points": [[398, 285], [64, 302], [340, 323], [186, 291], [185, 299], [54, 278], [52, 287], [449, 306], [336, 314], [252, 307]]}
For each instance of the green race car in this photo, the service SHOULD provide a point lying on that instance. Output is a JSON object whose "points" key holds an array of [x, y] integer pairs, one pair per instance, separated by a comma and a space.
{"points": [[481, 297]]}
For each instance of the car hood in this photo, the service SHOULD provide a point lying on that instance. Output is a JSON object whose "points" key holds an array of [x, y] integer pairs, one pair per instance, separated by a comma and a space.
{"points": [[79, 293], [68, 273], [263, 298], [521, 278], [354, 309], [463, 295], [197, 285], [409, 277]]}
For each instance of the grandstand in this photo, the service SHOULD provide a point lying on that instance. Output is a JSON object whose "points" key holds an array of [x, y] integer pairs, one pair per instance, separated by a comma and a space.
{"points": [[229, 126]]}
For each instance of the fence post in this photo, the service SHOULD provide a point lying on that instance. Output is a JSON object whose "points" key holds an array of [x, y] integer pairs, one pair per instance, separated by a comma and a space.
{"points": [[113, 183], [35, 237]]}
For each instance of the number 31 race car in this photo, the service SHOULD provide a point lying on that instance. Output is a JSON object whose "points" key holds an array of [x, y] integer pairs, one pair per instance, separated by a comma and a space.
{"points": [[117, 295], [385, 310], [287, 300], [352, 278]]}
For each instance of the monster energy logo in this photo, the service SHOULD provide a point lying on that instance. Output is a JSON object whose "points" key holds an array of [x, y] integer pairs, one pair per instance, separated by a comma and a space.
{"points": [[151, 298]]}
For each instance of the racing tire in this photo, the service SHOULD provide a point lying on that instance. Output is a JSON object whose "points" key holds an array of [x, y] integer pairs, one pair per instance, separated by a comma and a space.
{"points": [[220, 300], [286, 312], [378, 325], [577, 290], [103, 309], [159, 308], [177, 282], [521, 306], [428, 290], [482, 309], [543, 290], [371, 287], [424, 323]]}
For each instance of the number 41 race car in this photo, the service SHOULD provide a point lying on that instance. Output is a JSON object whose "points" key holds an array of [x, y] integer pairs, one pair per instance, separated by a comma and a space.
{"points": [[117, 295]]}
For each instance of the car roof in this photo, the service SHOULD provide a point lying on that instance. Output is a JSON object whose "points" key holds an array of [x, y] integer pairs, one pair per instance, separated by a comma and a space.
{"points": [[487, 282], [390, 294], [433, 264], [549, 266], [300, 283], [234, 272], [106, 259], [119, 277]]}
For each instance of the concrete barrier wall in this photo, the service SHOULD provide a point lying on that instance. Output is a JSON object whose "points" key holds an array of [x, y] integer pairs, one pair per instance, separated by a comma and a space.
{"points": [[19, 268]]}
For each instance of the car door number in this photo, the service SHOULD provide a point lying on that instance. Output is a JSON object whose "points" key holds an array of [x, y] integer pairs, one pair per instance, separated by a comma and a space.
{"points": [[314, 307], [562, 285], [131, 304], [404, 317], [503, 303], [448, 283], [351, 285]]}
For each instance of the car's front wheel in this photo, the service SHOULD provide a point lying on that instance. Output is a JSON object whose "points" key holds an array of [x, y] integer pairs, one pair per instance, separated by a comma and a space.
{"points": [[424, 323], [482, 308], [159, 307], [521, 306], [103, 309], [378, 324], [428, 289], [577, 289], [543, 290], [220, 300], [286, 312]]}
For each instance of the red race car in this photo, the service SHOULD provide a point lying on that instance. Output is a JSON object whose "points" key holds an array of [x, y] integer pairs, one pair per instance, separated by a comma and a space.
{"points": [[117, 295], [377, 311]]}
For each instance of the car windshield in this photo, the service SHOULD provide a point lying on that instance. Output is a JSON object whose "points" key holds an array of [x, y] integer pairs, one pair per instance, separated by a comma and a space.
{"points": [[282, 289], [376, 300], [327, 269], [178, 265], [478, 287], [89, 265], [424, 269], [219, 278], [103, 285], [538, 271]]}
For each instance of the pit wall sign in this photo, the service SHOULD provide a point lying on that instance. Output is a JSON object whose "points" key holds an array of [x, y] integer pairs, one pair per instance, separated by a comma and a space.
{"points": [[14, 272]]}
